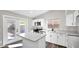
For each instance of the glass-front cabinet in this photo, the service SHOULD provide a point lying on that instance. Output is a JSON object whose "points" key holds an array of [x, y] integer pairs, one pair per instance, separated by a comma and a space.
{"points": [[72, 18]]}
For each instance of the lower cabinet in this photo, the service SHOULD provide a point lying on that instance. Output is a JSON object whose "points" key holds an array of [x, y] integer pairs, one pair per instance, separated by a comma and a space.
{"points": [[57, 38], [48, 36], [62, 39], [73, 42], [53, 37]]}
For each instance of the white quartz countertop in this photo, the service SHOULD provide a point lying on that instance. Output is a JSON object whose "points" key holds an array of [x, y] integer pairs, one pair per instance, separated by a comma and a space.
{"points": [[32, 36], [69, 33]]}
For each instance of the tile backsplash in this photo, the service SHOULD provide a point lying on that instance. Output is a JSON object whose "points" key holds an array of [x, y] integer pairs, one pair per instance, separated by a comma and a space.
{"points": [[72, 28], [78, 29]]}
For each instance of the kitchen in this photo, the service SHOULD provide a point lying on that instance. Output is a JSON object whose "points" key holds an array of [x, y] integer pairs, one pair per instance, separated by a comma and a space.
{"points": [[39, 28]]}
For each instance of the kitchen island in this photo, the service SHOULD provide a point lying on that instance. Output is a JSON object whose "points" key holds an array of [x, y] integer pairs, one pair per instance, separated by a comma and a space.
{"points": [[33, 40]]}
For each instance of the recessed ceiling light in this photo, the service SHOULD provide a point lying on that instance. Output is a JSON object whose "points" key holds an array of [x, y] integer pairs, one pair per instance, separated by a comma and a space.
{"points": [[30, 11]]}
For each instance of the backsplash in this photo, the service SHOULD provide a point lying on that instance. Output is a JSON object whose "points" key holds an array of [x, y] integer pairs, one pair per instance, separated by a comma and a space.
{"points": [[72, 28], [78, 29]]}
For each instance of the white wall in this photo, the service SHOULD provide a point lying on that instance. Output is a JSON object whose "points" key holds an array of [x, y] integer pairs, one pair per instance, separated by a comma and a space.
{"points": [[5, 12], [1, 30], [54, 14]]}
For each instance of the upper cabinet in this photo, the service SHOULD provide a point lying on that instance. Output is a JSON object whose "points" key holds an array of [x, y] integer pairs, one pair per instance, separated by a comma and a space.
{"points": [[72, 18]]}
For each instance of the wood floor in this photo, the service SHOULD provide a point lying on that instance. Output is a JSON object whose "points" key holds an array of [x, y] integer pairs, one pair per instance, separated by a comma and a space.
{"points": [[51, 45]]}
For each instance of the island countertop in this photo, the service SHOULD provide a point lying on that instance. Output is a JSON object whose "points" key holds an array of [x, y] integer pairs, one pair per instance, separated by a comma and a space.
{"points": [[32, 36], [68, 33]]}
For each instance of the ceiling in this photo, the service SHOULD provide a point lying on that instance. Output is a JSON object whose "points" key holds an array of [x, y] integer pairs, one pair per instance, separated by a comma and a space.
{"points": [[30, 13]]}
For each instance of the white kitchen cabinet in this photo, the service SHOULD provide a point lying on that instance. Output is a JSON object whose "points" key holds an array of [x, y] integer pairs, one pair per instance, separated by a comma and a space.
{"points": [[57, 38], [70, 39], [71, 18], [33, 40], [73, 42], [53, 37], [76, 13], [48, 36], [62, 39], [76, 17]]}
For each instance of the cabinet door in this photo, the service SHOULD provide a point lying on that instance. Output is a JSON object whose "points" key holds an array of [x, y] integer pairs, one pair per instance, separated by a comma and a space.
{"points": [[53, 37], [62, 39], [76, 42], [22, 25], [70, 41], [48, 36], [73, 42], [70, 20], [76, 18]]}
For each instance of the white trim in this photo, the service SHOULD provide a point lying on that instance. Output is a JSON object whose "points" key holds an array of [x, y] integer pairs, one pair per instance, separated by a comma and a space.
{"points": [[15, 45]]}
